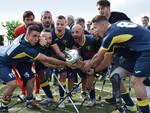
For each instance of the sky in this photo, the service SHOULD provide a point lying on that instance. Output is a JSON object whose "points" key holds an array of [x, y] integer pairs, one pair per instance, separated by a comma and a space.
{"points": [[13, 9]]}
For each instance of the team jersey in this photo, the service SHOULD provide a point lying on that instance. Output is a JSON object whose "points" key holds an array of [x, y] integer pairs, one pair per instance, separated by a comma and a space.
{"points": [[20, 51], [89, 48], [63, 42], [127, 34], [20, 30]]}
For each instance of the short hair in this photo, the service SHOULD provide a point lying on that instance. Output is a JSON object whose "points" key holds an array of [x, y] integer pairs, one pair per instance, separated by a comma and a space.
{"points": [[61, 17], [43, 12], [99, 18], [146, 17], [78, 20], [32, 28], [27, 14], [103, 3]]}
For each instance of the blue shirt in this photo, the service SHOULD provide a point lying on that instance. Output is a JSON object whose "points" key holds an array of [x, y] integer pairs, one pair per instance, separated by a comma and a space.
{"points": [[127, 34], [63, 42], [20, 51]]}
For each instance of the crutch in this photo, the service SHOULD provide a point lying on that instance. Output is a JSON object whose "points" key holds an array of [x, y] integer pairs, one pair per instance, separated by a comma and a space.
{"points": [[67, 95]]}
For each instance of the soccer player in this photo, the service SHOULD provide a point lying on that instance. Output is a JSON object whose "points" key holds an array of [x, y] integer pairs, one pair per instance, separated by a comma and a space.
{"points": [[104, 8], [20, 52], [128, 35], [63, 38], [87, 47]]}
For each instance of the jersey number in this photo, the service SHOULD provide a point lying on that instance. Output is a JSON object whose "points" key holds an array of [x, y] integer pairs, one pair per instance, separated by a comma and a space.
{"points": [[127, 24]]}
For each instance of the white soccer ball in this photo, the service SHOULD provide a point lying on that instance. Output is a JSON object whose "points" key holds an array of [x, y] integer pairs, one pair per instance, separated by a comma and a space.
{"points": [[72, 56]]}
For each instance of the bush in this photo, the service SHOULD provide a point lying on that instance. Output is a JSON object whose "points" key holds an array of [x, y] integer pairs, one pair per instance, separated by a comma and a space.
{"points": [[10, 28]]}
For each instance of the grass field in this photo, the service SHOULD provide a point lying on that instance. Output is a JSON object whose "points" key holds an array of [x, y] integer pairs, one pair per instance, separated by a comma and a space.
{"points": [[100, 107]]}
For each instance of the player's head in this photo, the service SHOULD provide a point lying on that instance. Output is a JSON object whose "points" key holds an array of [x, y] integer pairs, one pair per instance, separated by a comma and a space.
{"points": [[46, 18], [33, 34], [93, 31], [46, 34], [100, 24], [70, 19], [81, 22], [103, 7], [28, 18], [61, 24], [77, 33], [145, 21]]}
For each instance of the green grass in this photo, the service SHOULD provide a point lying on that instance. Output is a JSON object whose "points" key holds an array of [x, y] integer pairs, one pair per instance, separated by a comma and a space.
{"points": [[100, 107]]}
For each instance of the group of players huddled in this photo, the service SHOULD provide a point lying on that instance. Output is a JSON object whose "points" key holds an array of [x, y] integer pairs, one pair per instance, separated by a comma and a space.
{"points": [[40, 46]]}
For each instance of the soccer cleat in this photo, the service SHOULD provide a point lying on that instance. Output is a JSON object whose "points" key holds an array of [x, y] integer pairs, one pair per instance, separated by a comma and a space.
{"points": [[22, 98], [31, 105], [85, 96], [91, 103], [37, 97], [46, 102], [3, 108], [111, 101], [62, 104]]}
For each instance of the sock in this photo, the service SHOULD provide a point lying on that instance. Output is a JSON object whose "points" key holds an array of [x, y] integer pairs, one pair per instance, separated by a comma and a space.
{"points": [[37, 86], [127, 99], [92, 94], [46, 88], [143, 105], [61, 91]]}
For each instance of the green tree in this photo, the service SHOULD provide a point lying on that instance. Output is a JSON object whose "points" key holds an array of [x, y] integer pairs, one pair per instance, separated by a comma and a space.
{"points": [[10, 28]]}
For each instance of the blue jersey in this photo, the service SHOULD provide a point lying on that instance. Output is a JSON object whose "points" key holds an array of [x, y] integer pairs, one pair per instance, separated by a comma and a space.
{"points": [[127, 34], [63, 42], [20, 51], [89, 48]]}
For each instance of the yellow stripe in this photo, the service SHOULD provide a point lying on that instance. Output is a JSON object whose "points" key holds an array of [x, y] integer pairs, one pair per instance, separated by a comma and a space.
{"points": [[109, 53], [37, 56], [44, 84], [52, 45], [21, 55], [120, 39], [143, 102]]}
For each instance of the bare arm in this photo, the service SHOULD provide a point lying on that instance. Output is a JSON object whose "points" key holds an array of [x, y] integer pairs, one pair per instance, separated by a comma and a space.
{"points": [[105, 62], [97, 58], [43, 58]]}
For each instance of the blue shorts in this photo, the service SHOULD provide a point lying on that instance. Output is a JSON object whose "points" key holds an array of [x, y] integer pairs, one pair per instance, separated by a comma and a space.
{"points": [[142, 65], [25, 71], [6, 74], [128, 64]]}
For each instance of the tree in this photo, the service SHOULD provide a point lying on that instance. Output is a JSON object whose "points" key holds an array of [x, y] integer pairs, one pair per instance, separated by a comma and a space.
{"points": [[10, 28]]}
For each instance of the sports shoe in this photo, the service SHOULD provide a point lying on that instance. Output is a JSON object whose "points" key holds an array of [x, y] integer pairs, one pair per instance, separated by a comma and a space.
{"points": [[62, 104], [46, 102], [111, 100], [3, 108], [23, 98], [91, 102], [37, 97], [31, 105], [85, 96]]}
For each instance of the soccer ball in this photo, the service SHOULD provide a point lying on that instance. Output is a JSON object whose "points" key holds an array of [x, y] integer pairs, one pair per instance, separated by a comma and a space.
{"points": [[72, 56]]}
